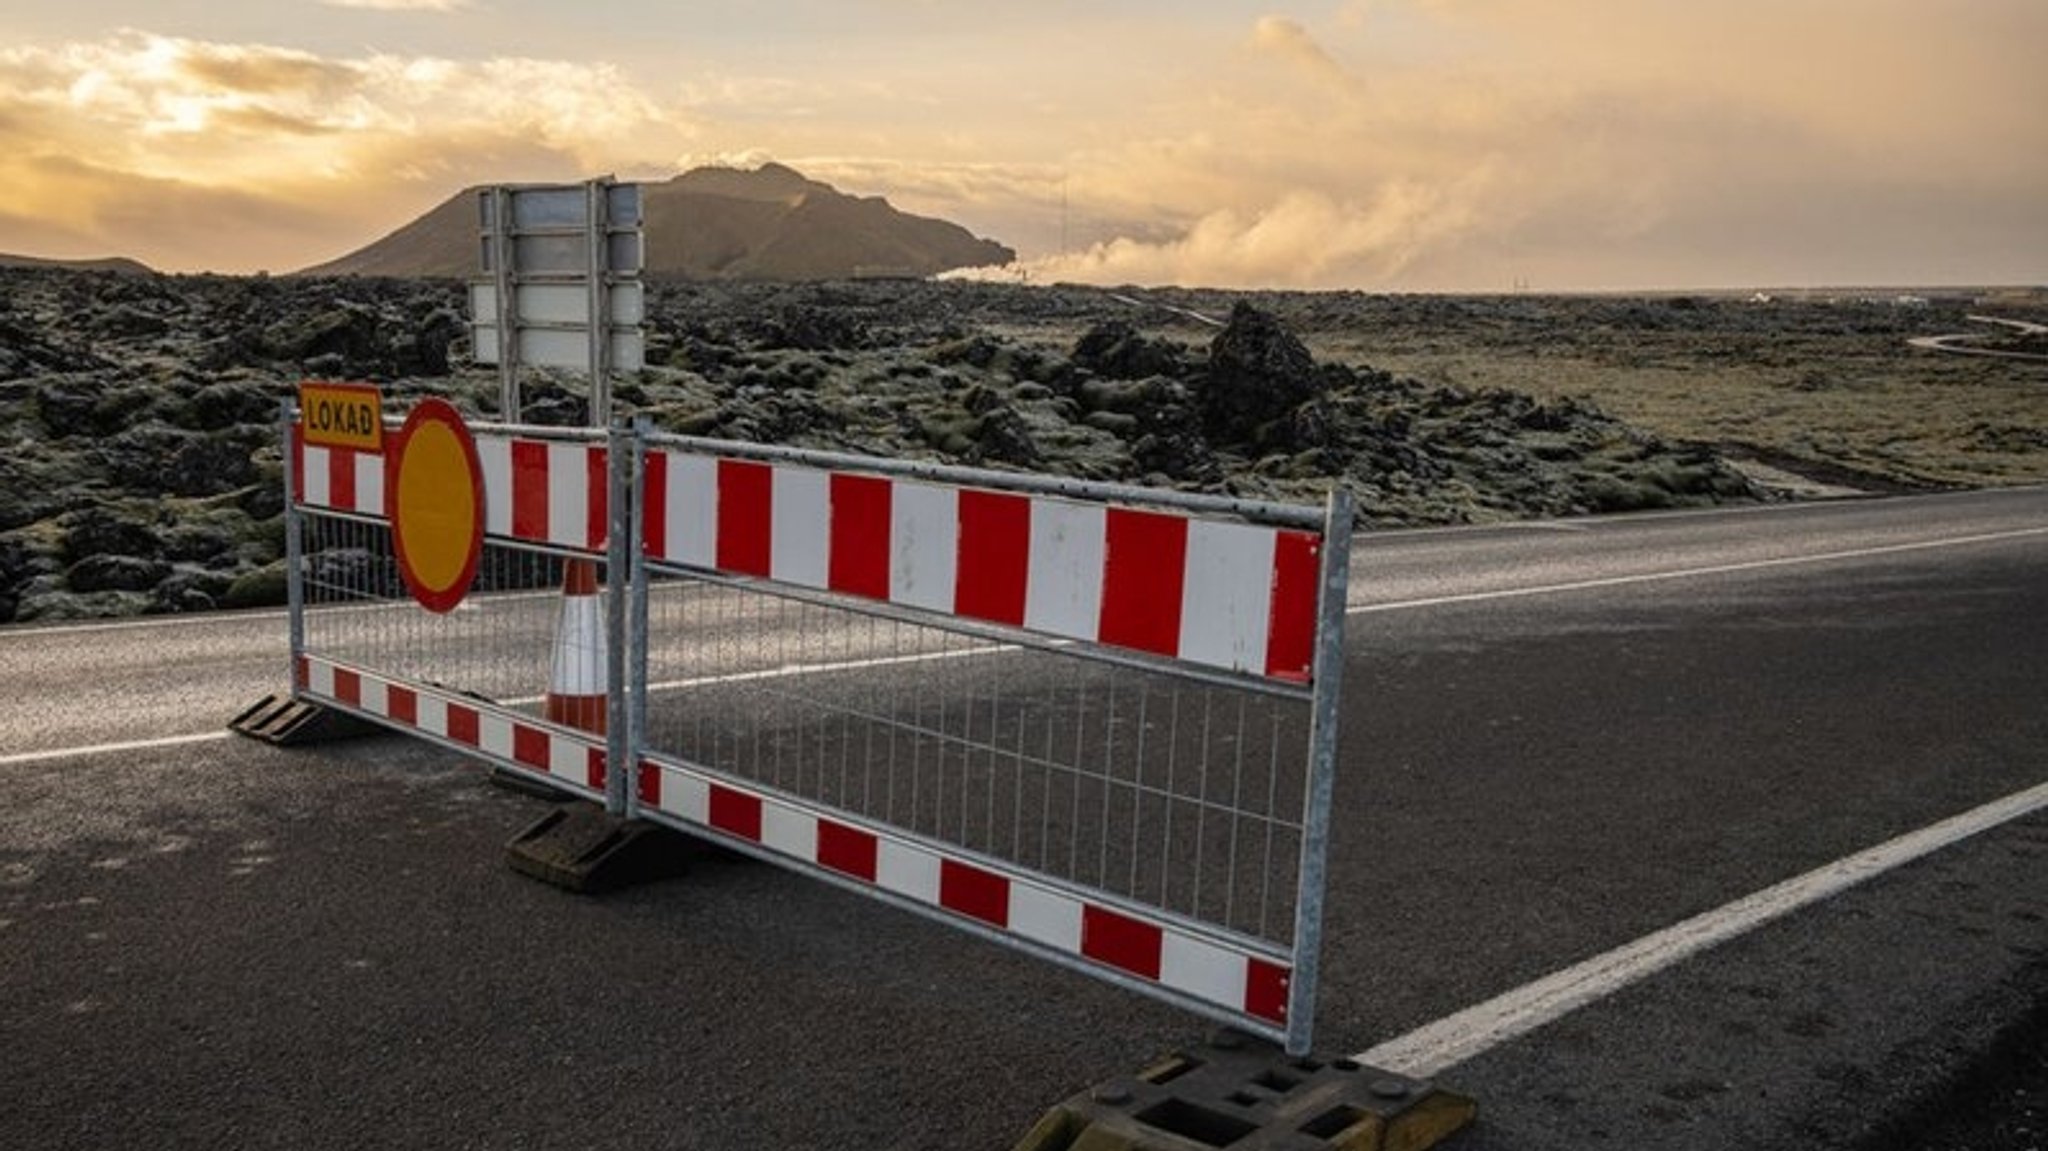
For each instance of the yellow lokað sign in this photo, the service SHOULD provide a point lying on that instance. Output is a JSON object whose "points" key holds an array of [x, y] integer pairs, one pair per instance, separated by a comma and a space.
{"points": [[434, 497], [342, 415]]}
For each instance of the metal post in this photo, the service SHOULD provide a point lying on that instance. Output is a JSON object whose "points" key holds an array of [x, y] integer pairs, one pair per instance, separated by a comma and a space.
{"points": [[597, 235], [508, 320], [294, 546], [621, 751], [636, 622], [1315, 824]]}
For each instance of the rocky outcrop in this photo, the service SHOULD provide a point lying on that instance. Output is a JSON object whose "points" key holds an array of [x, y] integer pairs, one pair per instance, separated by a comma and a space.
{"points": [[1259, 373], [141, 470]]}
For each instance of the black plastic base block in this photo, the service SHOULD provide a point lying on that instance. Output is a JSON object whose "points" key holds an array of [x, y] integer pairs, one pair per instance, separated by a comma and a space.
{"points": [[290, 722], [578, 847], [1247, 1095]]}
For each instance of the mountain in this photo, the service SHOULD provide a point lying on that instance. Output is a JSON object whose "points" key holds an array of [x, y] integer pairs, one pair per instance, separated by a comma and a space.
{"points": [[109, 264], [771, 223]]}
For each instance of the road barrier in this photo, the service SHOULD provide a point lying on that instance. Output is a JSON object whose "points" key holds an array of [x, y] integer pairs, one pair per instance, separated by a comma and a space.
{"points": [[475, 678], [1095, 723]]}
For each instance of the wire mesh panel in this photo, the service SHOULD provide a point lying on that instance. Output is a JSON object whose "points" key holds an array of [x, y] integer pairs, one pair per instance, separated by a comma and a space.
{"points": [[498, 645], [485, 677], [1172, 794], [1050, 718]]}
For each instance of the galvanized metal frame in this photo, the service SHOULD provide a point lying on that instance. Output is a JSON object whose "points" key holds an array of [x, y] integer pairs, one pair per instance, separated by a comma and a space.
{"points": [[1328, 687], [622, 538], [596, 237], [635, 624], [499, 236], [294, 543]]}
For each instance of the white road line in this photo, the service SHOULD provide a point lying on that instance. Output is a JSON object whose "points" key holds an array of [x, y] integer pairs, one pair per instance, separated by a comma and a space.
{"points": [[797, 669], [1475, 1030], [792, 670], [786, 671], [111, 748], [1364, 537], [194, 619], [1690, 573], [187, 620]]}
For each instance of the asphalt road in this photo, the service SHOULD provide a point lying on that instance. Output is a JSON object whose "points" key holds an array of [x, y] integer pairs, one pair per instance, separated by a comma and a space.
{"points": [[1557, 740]]}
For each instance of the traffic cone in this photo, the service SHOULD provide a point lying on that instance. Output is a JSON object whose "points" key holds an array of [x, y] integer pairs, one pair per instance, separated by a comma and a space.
{"points": [[576, 685]]}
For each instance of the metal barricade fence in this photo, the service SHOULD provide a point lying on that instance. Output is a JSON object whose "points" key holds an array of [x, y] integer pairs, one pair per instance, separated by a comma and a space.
{"points": [[1095, 723], [477, 678], [1092, 722]]}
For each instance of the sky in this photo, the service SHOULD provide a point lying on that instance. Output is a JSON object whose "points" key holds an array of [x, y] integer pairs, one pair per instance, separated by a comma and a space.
{"points": [[1383, 145]]}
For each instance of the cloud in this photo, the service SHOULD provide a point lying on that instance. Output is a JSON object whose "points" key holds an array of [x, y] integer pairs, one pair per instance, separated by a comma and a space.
{"points": [[1585, 143], [249, 71], [1290, 41], [127, 143], [1304, 238], [401, 5], [1402, 144]]}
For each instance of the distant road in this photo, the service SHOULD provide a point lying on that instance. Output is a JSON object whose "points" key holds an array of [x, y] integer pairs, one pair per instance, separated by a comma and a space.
{"points": [[1963, 343], [1559, 740], [1188, 313]]}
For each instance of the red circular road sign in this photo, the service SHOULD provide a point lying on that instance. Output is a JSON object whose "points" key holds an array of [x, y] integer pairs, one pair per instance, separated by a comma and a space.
{"points": [[434, 498]]}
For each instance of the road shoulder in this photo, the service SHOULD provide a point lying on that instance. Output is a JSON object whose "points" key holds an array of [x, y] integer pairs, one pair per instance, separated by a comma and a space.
{"points": [[1819, 1030]]}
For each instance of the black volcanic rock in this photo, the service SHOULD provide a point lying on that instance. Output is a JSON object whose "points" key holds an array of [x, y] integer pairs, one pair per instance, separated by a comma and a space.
{"points": [[717, 224], [1259, 373], [24, 351], [228, 403], [1117, 350], [141, 469], [103, 531], [115, 573]]}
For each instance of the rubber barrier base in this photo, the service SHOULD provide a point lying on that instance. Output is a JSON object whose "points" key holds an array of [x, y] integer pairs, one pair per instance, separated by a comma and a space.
{"points": [[290, 722], [526, 784], [578, 847], [1247, 1095]]}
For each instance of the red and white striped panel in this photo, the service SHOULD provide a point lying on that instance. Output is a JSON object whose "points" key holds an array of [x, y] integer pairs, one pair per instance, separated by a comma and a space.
{"points": [[1248, 984], [1214, 592], [544, 491], [341, 479], [538, 491], [572, 758]]}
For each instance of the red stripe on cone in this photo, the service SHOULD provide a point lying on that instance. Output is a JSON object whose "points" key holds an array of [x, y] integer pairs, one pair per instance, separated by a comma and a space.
{"points": [[576, 683]]}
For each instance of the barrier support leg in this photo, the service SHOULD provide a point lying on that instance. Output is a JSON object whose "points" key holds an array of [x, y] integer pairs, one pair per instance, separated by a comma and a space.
{"points": [[579, 847], [1248, 1095], [290, 722]]}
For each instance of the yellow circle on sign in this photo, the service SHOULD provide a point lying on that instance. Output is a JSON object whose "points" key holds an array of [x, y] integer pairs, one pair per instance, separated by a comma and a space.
{"points": [[434, 497]]}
